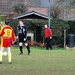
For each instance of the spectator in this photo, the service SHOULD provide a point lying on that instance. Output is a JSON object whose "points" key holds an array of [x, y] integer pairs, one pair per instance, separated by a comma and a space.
{"points": [[48, 37]]}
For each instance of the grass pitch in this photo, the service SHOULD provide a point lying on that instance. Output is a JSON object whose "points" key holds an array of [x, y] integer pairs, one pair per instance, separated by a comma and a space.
{"points": [[40, 62]]}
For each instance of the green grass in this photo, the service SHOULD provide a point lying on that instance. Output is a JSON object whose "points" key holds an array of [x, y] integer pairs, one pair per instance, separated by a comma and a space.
{"points": [[41, 62]]}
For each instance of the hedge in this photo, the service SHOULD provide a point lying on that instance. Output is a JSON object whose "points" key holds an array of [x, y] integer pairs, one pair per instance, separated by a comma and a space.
{"points": [[37, 26]]}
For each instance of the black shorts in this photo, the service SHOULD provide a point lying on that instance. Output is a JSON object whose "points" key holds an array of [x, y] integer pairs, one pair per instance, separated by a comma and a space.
{"points": [[21, 39]]}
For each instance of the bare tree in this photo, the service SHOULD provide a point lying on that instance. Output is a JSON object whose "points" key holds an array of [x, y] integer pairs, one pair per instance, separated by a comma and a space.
{"points": [[55, 12], [20, 8], [66, 3]]}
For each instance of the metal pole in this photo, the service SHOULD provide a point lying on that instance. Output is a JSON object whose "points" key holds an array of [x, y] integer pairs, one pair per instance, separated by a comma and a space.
{"points": [[64, 38], [64, 14], [64, 29], [49, 15]]}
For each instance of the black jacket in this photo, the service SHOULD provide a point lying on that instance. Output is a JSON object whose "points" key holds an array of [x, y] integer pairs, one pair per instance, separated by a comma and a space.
{"points": [[22, 31]]}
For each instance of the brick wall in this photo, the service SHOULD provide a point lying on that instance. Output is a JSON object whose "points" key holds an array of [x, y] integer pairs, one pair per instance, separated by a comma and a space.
{"points": [[6, 8], [40, 10]]}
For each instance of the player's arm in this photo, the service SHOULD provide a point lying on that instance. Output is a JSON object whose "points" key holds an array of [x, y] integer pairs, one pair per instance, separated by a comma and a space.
{"points": [[50, 31], [2, 32], [17, 32], [13, 36]]}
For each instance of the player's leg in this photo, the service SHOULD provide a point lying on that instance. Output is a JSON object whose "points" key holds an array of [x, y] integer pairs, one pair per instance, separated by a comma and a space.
{"points": [[21, 48], [28, 48], [1, 51], [9, 55], [47, 44]]}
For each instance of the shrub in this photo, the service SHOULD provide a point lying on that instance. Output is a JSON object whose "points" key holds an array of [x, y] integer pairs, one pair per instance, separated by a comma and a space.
{"points": [[71, 27], [37, 26], [58, 27]]}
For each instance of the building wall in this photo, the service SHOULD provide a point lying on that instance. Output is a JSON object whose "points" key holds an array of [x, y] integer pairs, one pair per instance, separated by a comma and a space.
{"points": [[6, 5], [70, 15], [39, 10], [36, 2], [40, 6]]}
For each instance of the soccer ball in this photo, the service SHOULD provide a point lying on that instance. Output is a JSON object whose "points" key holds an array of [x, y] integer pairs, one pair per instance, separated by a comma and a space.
{"points": [[5, 53]]}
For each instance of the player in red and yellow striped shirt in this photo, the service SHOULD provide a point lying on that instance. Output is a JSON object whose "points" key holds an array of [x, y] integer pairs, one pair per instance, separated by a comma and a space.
{"points": [[8, 37]]}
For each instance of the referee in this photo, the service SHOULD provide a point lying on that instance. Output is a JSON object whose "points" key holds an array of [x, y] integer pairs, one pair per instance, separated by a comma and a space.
{"points": [[22, 36]]}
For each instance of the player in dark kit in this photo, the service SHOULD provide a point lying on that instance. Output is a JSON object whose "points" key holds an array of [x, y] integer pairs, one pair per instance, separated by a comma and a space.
{"points": [[22, 36]]}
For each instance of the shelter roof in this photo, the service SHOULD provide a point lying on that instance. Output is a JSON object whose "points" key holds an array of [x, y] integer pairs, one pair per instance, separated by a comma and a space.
{"points": [[31, 15]]}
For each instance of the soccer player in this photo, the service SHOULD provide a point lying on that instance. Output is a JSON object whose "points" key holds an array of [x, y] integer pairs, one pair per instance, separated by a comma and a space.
{"points": [[8, 37], [22, 36]]}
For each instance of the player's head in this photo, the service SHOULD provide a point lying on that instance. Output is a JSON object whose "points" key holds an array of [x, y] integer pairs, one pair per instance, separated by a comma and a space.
{"points": [[45, 26], [6, 22], [20, 22]]}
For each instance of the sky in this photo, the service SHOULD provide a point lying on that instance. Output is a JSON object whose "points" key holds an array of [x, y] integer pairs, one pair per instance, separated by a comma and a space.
{"points": [[45, 3]]}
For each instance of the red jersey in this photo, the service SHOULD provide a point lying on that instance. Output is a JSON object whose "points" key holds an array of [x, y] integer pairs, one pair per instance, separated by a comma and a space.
{"points": [[48, 32], [7, 34]]}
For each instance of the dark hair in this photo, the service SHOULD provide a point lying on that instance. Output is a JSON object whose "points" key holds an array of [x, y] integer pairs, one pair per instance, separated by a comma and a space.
{"points": [[7, 22]]}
